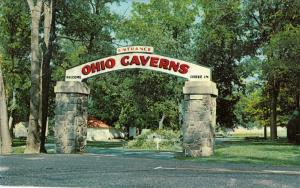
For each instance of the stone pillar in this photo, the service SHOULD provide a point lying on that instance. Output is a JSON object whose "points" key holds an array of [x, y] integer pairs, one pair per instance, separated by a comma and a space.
{"points": [[71, 116], [199, 118]]}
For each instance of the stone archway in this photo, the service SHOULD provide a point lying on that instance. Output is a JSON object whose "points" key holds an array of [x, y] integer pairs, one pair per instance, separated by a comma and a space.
{"points": [[199, 103]]}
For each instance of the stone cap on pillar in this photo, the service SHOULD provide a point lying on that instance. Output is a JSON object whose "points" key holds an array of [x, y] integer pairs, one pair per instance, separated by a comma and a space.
{"points": [[71, 87], [200, 88]]}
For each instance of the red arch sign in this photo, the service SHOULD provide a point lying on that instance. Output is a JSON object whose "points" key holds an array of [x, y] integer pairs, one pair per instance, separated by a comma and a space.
{"points": [[138, 57]]}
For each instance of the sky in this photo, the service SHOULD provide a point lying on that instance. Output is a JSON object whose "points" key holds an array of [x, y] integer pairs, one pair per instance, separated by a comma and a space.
{"points": [[123, 8]]}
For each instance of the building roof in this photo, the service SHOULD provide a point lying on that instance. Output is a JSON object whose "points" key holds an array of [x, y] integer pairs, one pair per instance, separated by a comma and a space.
{"points": [[95, 123]]}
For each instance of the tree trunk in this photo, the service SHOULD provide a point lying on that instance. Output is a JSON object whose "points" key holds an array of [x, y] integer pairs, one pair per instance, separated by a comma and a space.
{"points": [[298, 99], [265, 132], [298, 92], [274, 96], [5, 135], [49, 34], [11, 117], [10, 126], [161, 122], [0, 141], [13, 106], [33, 137]]}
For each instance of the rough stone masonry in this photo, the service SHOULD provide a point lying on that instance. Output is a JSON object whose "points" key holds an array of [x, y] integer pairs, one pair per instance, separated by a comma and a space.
{"points": [[199, 118], [71, 116]]}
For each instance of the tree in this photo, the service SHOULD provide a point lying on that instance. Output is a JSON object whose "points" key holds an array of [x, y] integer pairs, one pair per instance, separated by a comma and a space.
{"points": [[220, 46], [4, 130], [252, 109], [262, 20], [283, 69], [90, 26], [49, 37], [15, 46], [39, 75], [283, 58], [33, 137]]}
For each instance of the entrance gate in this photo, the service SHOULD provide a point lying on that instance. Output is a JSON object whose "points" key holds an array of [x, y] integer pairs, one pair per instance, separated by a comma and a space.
{"points": [[199, 104]]}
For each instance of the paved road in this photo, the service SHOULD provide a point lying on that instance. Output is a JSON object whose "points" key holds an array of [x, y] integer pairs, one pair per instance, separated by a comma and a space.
{"points": [[137, 170]]}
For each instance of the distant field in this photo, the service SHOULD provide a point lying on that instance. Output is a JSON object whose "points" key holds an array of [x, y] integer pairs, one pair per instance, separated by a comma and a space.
{"points": [[255, 132]]}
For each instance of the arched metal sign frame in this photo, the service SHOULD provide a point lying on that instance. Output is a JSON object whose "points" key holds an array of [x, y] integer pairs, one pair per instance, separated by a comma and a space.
{"points": [[147, 61]]}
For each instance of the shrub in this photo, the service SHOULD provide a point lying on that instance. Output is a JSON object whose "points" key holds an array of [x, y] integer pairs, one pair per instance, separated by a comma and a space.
{"points": [[169, 141]]}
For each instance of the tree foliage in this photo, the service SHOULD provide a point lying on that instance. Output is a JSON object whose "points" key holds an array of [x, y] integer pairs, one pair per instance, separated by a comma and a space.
{"points": [[268, 26], [220, 46], [15, 49]]}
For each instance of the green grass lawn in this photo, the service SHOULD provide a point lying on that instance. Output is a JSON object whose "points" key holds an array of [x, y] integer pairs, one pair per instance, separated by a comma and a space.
{"points": [[18, 145], [19, 142], [233, 150], [255, 151]]}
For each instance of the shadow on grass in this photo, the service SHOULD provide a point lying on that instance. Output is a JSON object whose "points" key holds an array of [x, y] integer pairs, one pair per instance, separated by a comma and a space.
{"points": [[105, 144], [19, 142], [254, 141]]}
